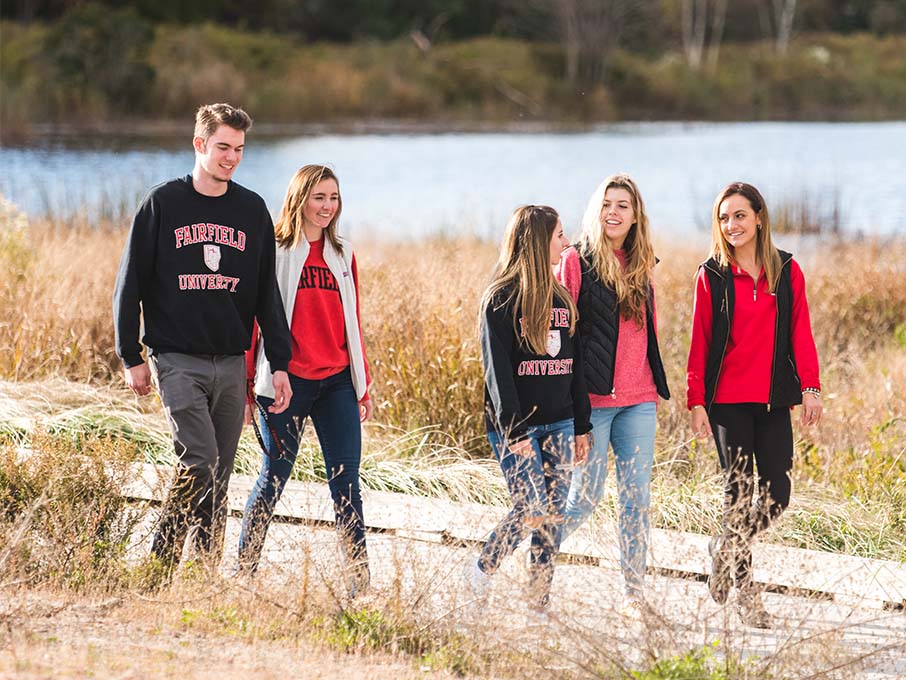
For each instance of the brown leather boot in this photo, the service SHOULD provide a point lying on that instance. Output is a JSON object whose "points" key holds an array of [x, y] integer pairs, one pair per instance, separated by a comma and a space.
{"points": [[750, 608], [719, 579]]}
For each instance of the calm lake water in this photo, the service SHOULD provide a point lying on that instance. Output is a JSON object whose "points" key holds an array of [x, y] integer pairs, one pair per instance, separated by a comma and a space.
{"points": [[408, 185]]}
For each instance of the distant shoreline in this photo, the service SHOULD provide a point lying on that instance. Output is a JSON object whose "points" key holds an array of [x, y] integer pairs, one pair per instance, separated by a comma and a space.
{"points": [[179, 128], [482, 84]]}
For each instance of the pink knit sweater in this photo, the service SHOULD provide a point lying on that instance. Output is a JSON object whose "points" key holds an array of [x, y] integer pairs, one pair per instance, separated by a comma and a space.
{"points": [[632, 380]]}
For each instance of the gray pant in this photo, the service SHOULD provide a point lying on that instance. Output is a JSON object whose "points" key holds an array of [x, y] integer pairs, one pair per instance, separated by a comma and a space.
{"points": [[204, 398]]}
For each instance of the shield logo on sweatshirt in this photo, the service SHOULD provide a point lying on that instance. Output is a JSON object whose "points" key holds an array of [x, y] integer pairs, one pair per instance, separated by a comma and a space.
{"points": [[553, 343], [212, 257]]}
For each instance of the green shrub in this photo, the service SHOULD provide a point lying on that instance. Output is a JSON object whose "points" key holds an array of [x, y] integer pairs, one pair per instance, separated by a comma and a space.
{"points": [[899, 334], [698, 664], [99, 53]]}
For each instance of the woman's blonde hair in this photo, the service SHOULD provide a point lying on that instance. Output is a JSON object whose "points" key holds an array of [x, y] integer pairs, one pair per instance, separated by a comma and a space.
{"points": [[632, 284], [765, 253], [525, 276], [288, 230]]}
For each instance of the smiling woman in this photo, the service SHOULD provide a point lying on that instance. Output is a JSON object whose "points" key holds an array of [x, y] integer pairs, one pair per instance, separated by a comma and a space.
{"points": [[608, 274], [739, 223], [617, 215], [751, 360], [322, 206], [536, 406], [318, 279]]}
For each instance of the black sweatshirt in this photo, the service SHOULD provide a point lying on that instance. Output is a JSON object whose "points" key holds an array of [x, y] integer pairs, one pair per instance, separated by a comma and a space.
{"points": [[202, 268], [524, 389]]}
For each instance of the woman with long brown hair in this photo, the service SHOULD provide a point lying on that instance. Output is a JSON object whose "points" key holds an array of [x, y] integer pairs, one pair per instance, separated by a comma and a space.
{"points": [[535, 400], [318, 278], [751, 360]]}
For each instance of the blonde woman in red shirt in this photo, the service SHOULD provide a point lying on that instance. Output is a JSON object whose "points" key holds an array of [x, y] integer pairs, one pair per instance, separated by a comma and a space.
{"points": [[318, 279], [752, 359]]}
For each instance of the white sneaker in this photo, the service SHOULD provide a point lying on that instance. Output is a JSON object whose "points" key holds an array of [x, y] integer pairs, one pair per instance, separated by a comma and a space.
{"points": [[477, 581], [538, 617], [634, 607]]}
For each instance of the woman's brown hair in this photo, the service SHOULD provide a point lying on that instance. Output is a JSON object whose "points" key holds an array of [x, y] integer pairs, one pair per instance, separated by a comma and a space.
{"points": [[289, 228], [525, 272]]}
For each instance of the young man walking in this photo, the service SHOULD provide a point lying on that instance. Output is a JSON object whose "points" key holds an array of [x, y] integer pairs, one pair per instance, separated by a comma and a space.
{"points": [[198, 267]]}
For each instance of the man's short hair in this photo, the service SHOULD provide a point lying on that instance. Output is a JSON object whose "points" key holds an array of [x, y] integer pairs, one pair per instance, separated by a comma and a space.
{"points": [[211, 116]]}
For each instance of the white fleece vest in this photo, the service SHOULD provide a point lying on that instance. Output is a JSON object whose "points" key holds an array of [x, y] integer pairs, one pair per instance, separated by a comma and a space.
{"points": [[289, 264]]}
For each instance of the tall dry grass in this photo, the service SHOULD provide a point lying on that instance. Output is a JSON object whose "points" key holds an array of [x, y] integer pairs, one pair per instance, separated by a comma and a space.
{"points": [[65, 526], [419, 310], [55, 303]]}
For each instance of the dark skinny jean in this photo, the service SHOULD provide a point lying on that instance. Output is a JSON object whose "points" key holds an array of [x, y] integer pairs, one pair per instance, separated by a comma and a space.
{"points": [[750, 437], [334, 410]]}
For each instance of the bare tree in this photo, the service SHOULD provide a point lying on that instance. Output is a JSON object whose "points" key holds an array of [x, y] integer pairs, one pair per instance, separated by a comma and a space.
{"points": [[590, 31], [702, 23], [784, 13], [777, 18]]}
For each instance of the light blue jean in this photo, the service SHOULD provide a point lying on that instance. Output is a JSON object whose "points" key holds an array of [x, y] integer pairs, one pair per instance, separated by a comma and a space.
{"points": [[538, 486], [630, 431]]}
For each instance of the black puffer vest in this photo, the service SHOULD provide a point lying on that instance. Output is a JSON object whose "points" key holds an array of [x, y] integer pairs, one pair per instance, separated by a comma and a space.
{"points": [[785, 387], [599, 328]]}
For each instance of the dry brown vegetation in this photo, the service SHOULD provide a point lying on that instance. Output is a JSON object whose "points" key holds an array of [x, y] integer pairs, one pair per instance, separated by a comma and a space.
{"points": [[67, 535], [419, 308]]}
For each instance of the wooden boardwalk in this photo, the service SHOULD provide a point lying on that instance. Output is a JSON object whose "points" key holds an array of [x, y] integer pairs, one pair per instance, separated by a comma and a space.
{"points": [[844, 579]]}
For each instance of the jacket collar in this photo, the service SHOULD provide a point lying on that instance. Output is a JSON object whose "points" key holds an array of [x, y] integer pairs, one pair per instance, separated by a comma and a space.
{"points": [[716, 267]]}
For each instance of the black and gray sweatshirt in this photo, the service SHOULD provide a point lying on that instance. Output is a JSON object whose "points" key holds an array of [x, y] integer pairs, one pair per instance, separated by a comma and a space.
{"points": [[523, 389], [202, 269]]}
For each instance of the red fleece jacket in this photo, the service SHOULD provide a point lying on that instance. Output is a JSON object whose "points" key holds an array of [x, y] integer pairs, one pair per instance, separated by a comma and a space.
{"points": [[745, 375]]}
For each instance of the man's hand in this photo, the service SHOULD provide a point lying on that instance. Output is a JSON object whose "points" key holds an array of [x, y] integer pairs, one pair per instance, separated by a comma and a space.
{"points": [[138, 378], [282, 392]]}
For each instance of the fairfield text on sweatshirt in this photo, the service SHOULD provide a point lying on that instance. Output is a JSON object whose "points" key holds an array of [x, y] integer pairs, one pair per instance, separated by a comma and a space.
{"points": [[200, 269]]}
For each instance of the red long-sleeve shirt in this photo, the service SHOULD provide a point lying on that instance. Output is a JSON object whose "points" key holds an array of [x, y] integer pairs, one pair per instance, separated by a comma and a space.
{"points": [[745, 374], [318, 328]]}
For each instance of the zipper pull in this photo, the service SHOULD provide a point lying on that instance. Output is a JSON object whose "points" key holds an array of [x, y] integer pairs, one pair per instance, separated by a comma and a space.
{"points": [[613, 393]]}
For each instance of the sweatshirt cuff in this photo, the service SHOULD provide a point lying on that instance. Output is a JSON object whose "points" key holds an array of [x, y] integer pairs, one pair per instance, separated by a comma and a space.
{"points": [[133, 360], [279, 366], [582, 428]]}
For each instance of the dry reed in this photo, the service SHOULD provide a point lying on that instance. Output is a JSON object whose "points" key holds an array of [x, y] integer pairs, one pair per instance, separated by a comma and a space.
{"points": [[419, 316]]}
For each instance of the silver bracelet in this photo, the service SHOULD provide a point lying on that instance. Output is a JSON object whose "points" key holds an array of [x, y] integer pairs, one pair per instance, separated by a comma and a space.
{"points": [[696, 406], [812, 390]]}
